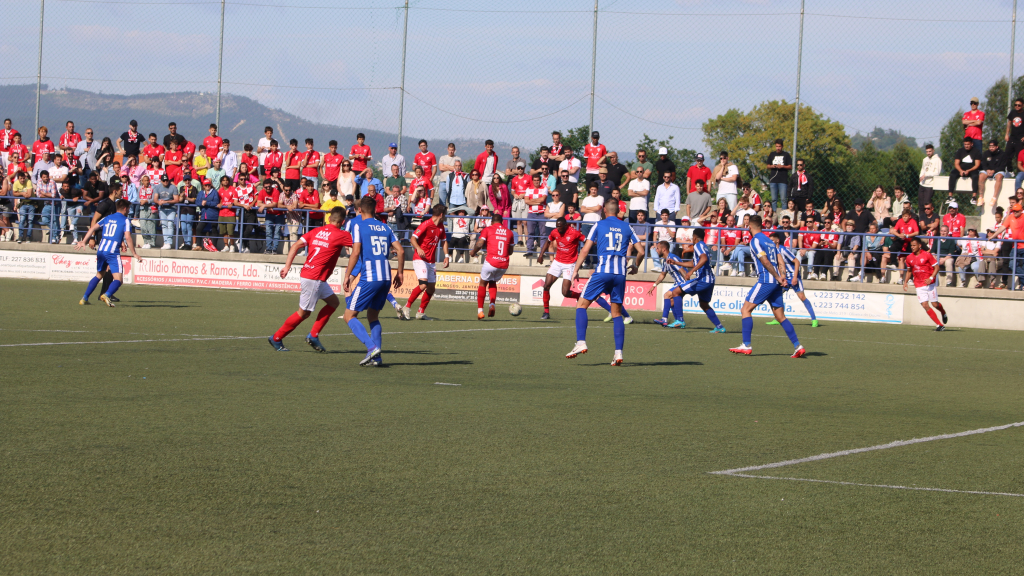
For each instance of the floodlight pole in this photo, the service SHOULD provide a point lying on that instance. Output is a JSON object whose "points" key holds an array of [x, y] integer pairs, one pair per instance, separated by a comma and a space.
{"points": [[39, 69], [401, 93], [1013, 40], [799, 64], [220, 63], [593, 68]]}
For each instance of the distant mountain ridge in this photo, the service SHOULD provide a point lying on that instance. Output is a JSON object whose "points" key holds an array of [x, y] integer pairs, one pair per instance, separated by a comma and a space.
{"points": [[242, 120]]}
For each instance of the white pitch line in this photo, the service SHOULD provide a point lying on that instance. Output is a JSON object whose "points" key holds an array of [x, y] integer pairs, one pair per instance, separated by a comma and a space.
{"points": [[200, 339], [895, 487], [446, 384], [896, 444]]}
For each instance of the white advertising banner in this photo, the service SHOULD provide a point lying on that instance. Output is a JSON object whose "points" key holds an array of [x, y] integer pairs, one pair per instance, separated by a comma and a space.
{"points": [[16, 264], [75, 266], [219, 274]]}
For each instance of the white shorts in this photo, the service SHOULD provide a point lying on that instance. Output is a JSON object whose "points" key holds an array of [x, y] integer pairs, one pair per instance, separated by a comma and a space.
{"points": [[559, 269], [424, 270], [312, 290], [491, 274], [928, 293]]}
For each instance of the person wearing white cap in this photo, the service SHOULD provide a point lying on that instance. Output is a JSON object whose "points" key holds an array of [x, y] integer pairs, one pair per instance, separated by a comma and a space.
{"points": [[664, 164], [956, 221]]}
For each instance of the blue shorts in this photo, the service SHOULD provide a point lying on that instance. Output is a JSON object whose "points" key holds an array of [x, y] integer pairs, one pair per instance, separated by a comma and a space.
{"points": [[770, 293], [369, 296], [614, 285], [105, 259], [796, 285], [703, 290]]}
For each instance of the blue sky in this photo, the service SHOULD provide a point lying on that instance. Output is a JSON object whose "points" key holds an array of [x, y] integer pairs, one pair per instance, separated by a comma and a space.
{"points": [[506, 72]]}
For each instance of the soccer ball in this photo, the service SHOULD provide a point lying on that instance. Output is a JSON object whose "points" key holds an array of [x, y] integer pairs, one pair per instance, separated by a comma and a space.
{"points": [[515, 309]]}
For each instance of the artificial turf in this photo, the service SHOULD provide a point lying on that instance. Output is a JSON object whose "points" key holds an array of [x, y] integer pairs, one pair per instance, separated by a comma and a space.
{"points": [[170, 438]]}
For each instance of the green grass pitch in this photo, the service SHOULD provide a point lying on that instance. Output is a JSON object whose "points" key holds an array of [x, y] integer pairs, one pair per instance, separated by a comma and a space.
{"points": [[165, 436]]}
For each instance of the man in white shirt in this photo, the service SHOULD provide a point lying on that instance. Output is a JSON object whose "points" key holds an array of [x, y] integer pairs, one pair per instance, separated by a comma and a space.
{"points": [[639, 190], [726, 174], [743, 209], [228, 159], [931, 166], [445, 166], [263, 148], [570, 165], [393, 158], [44, 163], [86, 153], [666, 197]]}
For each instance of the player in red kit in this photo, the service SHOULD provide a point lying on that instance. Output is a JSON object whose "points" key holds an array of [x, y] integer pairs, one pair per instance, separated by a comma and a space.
{"points": [[498, 240], [924, 267], [424, 244], [325, 245], [566, 240]]}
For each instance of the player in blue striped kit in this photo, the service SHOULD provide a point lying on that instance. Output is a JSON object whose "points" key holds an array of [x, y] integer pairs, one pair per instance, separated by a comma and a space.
{"points": [[769, 288], [108, 253], [372, 243], [694, 278], [359, 270], [796, 284], [614, 240]]}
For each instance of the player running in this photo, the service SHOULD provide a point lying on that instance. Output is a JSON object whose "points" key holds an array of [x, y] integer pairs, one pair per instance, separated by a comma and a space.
{"points": [[372, 243], [925, 268], [424, 242], [795, 283], [498, 240], [696, 279], [769, 288], [324, 245], [108, 253], [359, 270], [614, 240]]}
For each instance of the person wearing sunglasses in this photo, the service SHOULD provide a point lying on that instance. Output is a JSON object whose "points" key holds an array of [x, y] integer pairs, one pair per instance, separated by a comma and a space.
{"points": [[801, 185]]}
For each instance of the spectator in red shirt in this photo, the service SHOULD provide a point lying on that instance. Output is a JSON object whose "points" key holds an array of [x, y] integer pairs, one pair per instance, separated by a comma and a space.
{"points": [[292, 165], [808, 241], [425, 160], [487, 162], [360, 153], [954, 220], [69, 142], [697, 172], [332, 162], [213, 142], [42, 146], [250, 160], [973, 121], [311, 163], [903, 231], [173, 162]]}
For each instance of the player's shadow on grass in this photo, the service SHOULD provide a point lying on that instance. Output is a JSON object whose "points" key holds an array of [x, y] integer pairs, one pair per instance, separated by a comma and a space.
{"points": [[156, 304], [665, 363], [445, 363]]}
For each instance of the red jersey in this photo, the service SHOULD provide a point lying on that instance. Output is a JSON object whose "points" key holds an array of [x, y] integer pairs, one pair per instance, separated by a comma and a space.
{"points": [[593, 154], [499, 243], [251, 162], [520, 184], [263, 198], [227, 196], [154, 152], [324, 248], [154, 174], [311, 197], [6, 139], [695, 173], [22, 151], [39, 147], [292, 159], [809, 238], [427, 161], [974, 131], [212, 144], [956, 224], [429, 235], [731, 237], [358, 165], [830, 240], [921, 266], [273, 160], [332, 166], [312, 160], [71, 141], [188, 149], [906, 227], [568, 244], [173, 170], [421, 181], [245, 193]]}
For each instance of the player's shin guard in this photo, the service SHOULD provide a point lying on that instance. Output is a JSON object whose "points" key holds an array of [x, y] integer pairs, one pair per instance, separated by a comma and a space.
{"points": [[413, 296], [619, 330], [791, 332], [93, 283], [810, 309], [321, 320], [424, 301], [603, 304], [360, 332], [113, 288], [677, 308], [481, 293], [665, 308], [748, 327], [376, 333], [710, 313], [931, 314], [547, 301], [581, 324], [492, 292], [290, 324]]}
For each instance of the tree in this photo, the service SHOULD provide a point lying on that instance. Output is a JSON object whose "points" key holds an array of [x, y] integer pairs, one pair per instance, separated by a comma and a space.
{"points": [[951, 139], [882, 139], [575, 138], [681, 157], [996, 107], [749, 138]]}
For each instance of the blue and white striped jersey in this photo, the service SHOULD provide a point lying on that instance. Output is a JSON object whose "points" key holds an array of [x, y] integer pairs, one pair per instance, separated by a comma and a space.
{"points": [[613, 237], [761, 245], [790, 259], [705, 273], [358, 269], [114, 227], [375, 239], [676, 272]]}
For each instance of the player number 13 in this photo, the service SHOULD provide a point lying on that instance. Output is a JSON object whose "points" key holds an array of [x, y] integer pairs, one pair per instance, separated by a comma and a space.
{"points": [[614, 241]]}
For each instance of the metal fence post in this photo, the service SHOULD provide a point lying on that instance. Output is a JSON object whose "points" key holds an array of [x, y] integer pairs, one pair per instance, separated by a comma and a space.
{"points": [[799, 65], [1013, 40], [220, 63], [593, 68], [401, 93], [39, 69]]}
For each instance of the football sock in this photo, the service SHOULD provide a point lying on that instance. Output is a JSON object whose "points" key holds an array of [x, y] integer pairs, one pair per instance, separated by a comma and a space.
{"points": [[574, 295], [810, 309], [581, 323], [931, 314], [424, 301], [376, 333], [935, 304], [710, 313], [391, 299], [547, 301], [480, 293], [492, 291], [360, 332], [625, 313], [619, 330], [665, 308], [113, 288], [413, 296], [321, 320], [290, 324], [788, 327], [748, 327], [677, 308], [93, 283], [603, 304]]}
